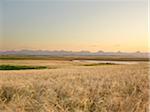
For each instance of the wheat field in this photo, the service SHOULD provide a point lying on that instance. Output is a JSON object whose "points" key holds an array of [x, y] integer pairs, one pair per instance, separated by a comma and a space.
{"points": [[71, 87]]}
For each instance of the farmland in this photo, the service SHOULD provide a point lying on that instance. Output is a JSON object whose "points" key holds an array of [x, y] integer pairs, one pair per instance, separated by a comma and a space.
{"points": [[68, 86]]}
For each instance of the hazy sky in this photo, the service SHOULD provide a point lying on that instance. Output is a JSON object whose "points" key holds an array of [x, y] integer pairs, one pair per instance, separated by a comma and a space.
{"points": [[109, 25]]}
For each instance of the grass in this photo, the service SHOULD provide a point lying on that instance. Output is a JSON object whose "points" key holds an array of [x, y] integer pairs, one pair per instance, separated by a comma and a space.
{"points": [[69, 58], [98, 64], [121, 88], [19, 67]]}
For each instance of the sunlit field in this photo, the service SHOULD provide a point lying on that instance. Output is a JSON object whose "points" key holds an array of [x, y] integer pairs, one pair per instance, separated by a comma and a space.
{"points": [[67, 86]]}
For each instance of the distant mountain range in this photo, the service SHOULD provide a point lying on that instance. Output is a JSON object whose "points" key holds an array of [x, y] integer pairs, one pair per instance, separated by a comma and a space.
{"points": [[71, 53]]}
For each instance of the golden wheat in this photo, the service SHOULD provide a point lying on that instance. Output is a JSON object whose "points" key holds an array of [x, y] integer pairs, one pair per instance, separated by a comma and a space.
{"points": [[73, 88]]}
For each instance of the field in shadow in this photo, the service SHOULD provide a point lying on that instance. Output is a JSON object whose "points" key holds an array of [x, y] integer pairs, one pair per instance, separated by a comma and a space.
{"points": [[20, 67]]}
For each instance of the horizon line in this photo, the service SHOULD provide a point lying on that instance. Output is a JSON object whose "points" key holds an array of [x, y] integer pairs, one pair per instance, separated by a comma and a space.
{"points": [[119, 51]]}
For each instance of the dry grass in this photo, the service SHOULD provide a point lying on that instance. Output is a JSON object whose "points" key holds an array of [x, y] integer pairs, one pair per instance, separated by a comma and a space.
{"points": [[113, 88]]}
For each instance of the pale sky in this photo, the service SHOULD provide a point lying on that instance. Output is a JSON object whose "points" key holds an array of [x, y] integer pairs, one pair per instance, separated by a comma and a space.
{"points": [[109, 25]]}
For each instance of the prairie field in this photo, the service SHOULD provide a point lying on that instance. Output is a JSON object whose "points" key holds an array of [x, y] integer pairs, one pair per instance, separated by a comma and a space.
{"points": [[67, 86]]}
